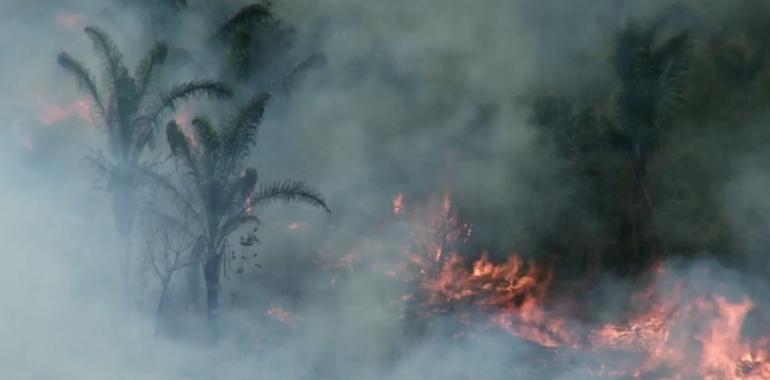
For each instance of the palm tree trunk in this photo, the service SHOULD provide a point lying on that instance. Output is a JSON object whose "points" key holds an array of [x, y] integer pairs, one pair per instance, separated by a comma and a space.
{"points": [[643, 213], [193, 278], [162, 301], [211, 272], [123, 200]]}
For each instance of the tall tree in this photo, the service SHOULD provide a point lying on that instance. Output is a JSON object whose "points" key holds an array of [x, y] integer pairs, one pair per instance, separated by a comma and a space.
{"points": [[652, 78], [611, 156], [129, 114], [218, 191]]}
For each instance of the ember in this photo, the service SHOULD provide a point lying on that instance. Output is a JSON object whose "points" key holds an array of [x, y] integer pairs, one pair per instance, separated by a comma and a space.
{"points": [[280, 314], [398, 203], [296, 226]]}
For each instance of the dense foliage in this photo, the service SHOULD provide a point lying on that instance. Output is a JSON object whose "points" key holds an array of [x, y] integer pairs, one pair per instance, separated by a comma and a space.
{"points": [[653, 156]]}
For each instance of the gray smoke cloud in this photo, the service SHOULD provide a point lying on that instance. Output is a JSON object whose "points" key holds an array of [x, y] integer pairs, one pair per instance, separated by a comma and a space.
{"points": [[419, 97]]}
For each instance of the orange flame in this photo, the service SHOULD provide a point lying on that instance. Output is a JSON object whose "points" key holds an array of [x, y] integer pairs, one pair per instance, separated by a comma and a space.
{"points": [[280, 314], [678, 336], [248, 207], [70, 21], [294, 226], [183, 118], [52, 113], [398, 204]]}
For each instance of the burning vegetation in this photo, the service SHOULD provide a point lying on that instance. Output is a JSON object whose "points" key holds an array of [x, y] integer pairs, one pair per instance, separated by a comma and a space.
{"points": [[675, 331], [617, 179]]}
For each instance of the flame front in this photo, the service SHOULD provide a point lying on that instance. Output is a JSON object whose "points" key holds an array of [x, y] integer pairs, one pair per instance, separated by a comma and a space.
{"points": [[676, 335]]}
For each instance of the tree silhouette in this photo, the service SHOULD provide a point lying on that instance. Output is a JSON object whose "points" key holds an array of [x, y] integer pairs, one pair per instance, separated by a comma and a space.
{"points": [[252, 25], [652, 78], [129, 114], [217, 191], [257, 41]]}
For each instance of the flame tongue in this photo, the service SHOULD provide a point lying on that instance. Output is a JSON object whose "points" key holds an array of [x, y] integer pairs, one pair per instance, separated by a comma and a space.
{"points": [[54, 113], [676, 336], [398, 204], [511, 293]]}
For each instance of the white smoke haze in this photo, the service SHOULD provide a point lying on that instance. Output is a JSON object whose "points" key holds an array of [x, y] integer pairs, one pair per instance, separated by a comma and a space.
{"points": [[419, 97]]}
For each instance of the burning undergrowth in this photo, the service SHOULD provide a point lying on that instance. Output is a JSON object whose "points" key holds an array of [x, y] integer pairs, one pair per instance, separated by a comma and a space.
{"points": [[676, 322]]}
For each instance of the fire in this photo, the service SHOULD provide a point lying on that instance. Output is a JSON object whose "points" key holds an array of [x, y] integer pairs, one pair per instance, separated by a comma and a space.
{"points": [[70, 21], [294, 226], [280, 314], [676, 331], [398, 204], [722, 341], [52, 113], [512, 292], [183, 118], [248, 207], [698, 338], [439, 231]]}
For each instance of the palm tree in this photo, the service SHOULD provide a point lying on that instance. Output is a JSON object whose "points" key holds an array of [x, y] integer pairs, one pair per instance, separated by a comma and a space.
{"points": [[256, 41], [652, 75], [252, 24], [129, 114], [217, 192]]}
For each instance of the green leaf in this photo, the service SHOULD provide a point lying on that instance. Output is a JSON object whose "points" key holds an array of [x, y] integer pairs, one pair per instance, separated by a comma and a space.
{"points": [[169, 100], [155, 57], [209, 137], [288, 191], [84, 79], [240, 132]]}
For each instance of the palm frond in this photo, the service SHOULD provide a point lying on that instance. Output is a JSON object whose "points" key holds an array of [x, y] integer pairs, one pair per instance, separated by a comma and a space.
{"points": [[155, 57], [675, 48], [169, 100], [288, 191], [673, 56], [207, 133], [241, 188], [248, 15], [247, 182], [144, 137], [84, 79], [239, 53], [177, 195], [241, 129], [231, 224], [671, 87], [177, 141], [171, 221], [111, 56]]}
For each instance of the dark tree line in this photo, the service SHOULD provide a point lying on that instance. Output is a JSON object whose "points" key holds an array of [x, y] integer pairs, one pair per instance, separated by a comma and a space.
{"points": [[652, 153]]}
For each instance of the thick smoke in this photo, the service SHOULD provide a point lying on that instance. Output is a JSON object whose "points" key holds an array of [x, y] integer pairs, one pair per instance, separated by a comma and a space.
{"points": [[420, 97]]}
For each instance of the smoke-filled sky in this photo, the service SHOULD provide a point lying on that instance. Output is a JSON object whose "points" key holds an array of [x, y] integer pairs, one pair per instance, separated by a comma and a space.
{"points": [[419, 97]]}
